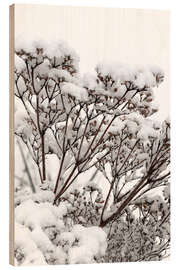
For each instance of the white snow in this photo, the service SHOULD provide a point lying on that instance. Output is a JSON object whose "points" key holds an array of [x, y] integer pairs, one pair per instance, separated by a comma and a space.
{"points": [[43, 69], [140, 76], [32, 220], [34, 215], [59, 73], [145, 78], [55, 51], [74, 90], [118, 71], [91, 243], [24, 242]]}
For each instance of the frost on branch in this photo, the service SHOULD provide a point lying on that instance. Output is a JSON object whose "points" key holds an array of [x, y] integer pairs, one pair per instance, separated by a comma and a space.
{"points": [[98, 122]]}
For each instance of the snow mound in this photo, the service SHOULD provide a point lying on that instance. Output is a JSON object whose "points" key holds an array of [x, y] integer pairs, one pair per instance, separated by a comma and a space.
{"points": [[27, 252], [34, 215], [74, 90], [141, 76], [91, 243], [41, 237]]}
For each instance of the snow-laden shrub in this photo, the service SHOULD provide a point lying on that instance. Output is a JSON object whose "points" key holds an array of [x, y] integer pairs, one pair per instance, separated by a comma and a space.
{"points": [[141, 233], [41, 237], [84, 206], [100, 121], [73, 117]]}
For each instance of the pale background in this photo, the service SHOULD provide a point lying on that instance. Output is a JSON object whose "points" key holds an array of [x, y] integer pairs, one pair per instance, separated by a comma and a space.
{"points": [[174, 6], [132, 36]]}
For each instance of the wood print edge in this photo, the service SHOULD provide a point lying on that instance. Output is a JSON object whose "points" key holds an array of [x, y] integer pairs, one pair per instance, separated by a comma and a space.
{"points": [[11, 134]]}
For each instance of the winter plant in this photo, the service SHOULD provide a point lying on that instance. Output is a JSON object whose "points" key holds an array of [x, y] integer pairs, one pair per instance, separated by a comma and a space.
{"points": [[99, 123]]}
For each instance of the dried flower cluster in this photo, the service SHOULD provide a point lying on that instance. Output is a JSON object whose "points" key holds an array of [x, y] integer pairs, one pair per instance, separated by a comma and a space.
{"points": [[100, 121]]}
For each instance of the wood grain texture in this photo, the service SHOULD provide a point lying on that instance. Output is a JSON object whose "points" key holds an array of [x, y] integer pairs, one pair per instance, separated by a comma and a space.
{"points": [[11, 134], [132, 36]]}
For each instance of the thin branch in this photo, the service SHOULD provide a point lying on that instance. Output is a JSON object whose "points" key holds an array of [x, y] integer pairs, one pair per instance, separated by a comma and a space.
{"points": [[26, 168]]}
